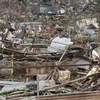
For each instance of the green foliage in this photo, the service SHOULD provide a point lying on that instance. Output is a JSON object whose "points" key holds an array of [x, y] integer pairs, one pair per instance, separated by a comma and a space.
{"points": [[88, 38], [97, 5]]}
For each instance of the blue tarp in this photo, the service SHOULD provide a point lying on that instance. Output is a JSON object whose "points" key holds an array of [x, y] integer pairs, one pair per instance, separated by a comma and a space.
{"points": [[90, 31]]}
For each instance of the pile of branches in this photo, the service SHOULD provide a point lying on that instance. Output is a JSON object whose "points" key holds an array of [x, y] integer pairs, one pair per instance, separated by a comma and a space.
{"points": [[13, 9]]}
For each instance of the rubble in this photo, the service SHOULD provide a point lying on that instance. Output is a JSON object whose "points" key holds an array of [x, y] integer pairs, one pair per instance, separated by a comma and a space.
{"points": [[48, 47]]}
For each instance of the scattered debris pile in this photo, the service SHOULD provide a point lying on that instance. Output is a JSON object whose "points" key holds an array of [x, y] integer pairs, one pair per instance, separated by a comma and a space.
{"points": [[49, 48]]}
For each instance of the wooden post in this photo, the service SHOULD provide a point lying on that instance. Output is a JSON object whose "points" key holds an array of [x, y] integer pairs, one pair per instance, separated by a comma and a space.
{"points": [[38, 85], [63, 54], [12, 65]]}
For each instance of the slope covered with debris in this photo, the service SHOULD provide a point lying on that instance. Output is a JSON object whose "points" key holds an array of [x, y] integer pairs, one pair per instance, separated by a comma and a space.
{"points": [[48, 48]]}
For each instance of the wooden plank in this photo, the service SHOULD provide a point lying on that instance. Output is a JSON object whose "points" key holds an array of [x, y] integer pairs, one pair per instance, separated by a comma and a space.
{"points": [[70, 96]]}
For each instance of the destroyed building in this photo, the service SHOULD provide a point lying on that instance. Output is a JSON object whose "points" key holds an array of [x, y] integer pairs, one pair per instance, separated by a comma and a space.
{"points": [[49, 50]]}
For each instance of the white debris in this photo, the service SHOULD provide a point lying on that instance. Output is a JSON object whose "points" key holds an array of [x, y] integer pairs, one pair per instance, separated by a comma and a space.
{"points": [[58, 44], [10, 36]]}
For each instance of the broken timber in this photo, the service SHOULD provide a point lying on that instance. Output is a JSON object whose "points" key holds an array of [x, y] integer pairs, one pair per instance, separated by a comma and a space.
{"points": [[33, 67], [71, 96], [18, 64]]}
